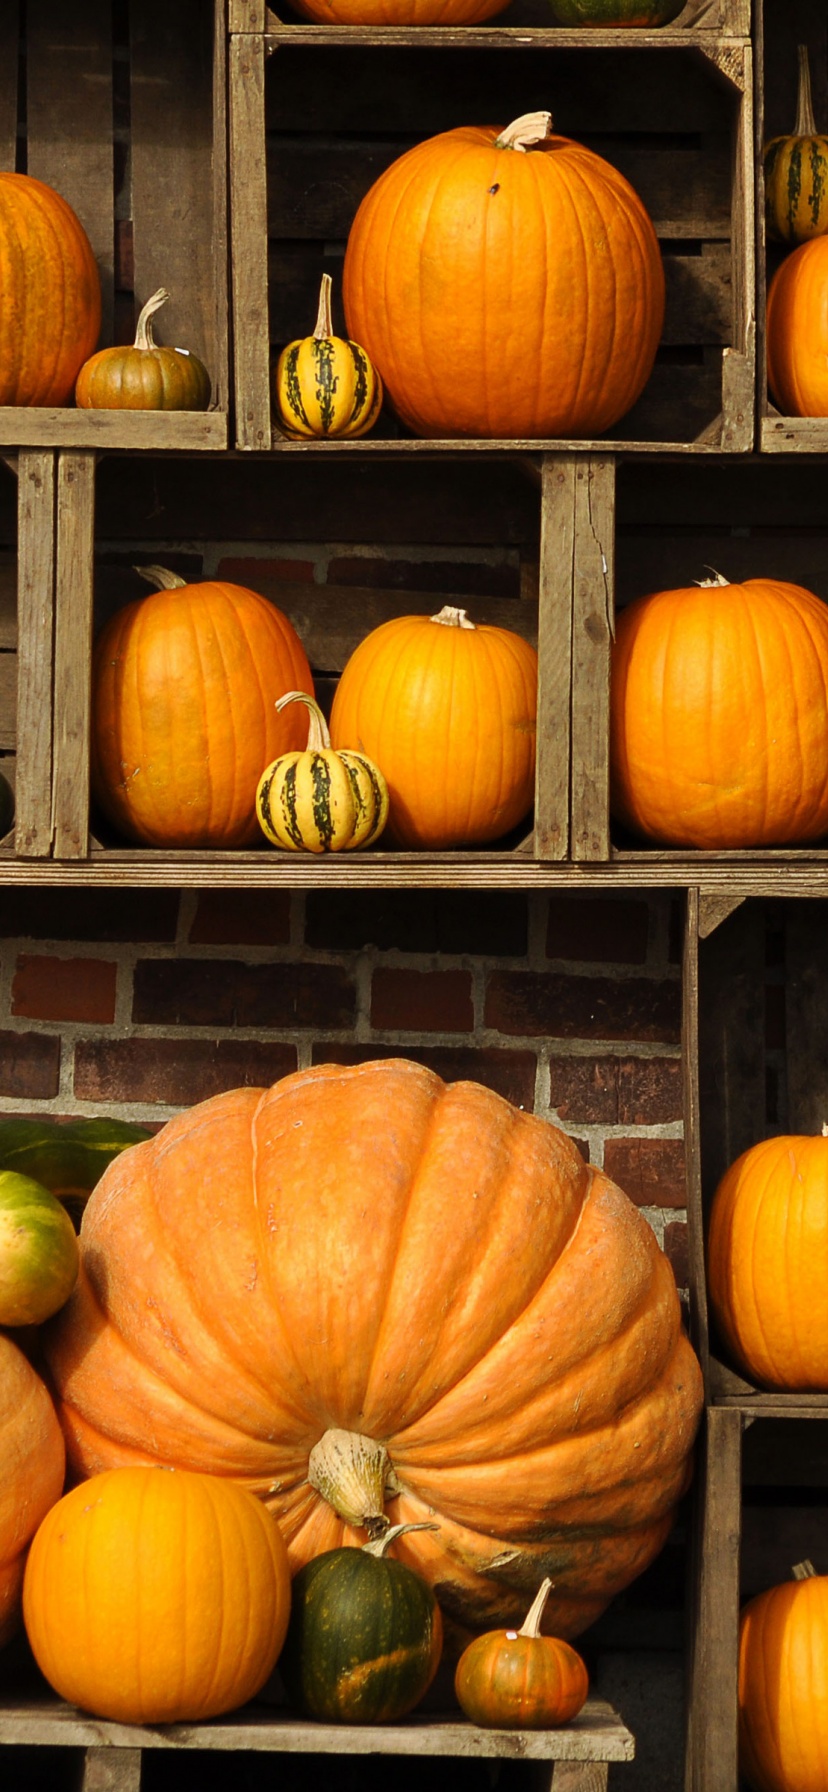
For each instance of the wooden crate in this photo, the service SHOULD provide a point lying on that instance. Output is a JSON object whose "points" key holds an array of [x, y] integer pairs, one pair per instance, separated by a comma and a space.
{"points": [[310, 134], [132, 132], [725, 18]]}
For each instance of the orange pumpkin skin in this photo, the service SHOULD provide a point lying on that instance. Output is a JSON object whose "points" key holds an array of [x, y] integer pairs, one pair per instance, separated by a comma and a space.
{"points": [[520, 1680], [184, 684], [50, 294], [797, 332], [157, 1597], [32, 1461], [450, 710], [783, 1668], [768, 1261], [711, 744], [399, 12], [505, 293], [494, 1311]]}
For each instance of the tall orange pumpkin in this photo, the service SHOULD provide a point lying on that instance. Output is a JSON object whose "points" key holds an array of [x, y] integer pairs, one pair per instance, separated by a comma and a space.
{"points": [[505, 283], [719, 715], [364, 1288], [50, 294], [797, 333], [768, 1261], [31, 1471], [184, 688], [783, 1672]]}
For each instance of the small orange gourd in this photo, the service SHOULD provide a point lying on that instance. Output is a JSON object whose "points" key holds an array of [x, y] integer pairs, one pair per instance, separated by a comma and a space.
{"points": [[520, 1680], [144, 376]]}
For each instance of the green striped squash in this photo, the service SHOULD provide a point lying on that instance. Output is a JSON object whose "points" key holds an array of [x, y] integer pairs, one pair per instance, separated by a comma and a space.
{"points": [[796, 173], [6, 806], [38, 1251], [648, 14], [67, 1158], [364, 1637], [319, 800], [325, 385]]}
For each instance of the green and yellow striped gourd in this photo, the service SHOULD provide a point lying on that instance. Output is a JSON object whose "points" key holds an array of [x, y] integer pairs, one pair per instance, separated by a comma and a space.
{"points": [[38, 1251], [68, 1158], [321, 800], [325, 385], [796, 173]]}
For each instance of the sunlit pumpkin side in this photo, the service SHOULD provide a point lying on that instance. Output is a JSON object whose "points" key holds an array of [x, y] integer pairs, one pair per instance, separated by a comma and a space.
{"points": [[50, 294], [32, 1464], [783, 1672]]}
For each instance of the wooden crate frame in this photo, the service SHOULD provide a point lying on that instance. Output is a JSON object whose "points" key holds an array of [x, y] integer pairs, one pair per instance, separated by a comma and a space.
{"points": [[726, 18], [730, 58], [177, 148]]}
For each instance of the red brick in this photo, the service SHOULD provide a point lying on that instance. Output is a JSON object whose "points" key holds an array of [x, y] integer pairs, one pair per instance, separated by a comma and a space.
{"points": [[143, 916], [446, 577], [677, 1248], [616, 1091], [29, 1065], [209, 992], [81, 989], [175, 1071], [491, 924], [550, 1004], [249, 570], [510, 1074], [650, 1171], [422, 1001], [597, 932], [242, 918]]}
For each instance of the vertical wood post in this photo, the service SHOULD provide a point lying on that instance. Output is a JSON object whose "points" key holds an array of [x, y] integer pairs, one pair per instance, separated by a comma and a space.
{"points": [[593, 627], [112, 1770], [248, 238], [739, 362], [557, 560], [73, 651], [712, 1729], [35, 652]]}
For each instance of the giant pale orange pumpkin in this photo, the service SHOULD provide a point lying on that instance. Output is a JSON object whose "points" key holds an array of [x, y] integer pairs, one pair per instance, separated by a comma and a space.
{"points": [[505, 283], [31, 1471], [783, 1675], [184, 690], [797, 333], [372, 1297], [50, 294], [768, 1261], [719, 715]]}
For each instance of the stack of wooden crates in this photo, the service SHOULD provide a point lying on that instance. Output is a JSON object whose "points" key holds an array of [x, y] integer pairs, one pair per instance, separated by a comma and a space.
{"points": [[244, 142]]}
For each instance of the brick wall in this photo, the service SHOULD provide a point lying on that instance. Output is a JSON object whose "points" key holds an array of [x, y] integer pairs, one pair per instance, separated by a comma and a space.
{"points": [[140, 1002]]}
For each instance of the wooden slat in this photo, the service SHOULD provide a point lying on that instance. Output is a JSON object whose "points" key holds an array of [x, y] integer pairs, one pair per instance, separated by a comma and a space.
{"points": [[692, 1140], [557, 561], [220, 284], [73, 649], [9, 36], [8, 702], [332, 620], [248, 15], [731, 1042], [112, 1770], [117, 868], [712, 1692], [248, 214], [35, 616], [593, 624], [8, 601], [69, 123], [739, 367], [806, 1013]]}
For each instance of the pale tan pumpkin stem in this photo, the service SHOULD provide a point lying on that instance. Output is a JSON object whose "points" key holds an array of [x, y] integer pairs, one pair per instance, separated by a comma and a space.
{"points": [[525, 131], [354, 1473], [532, 1622], [318, 735], [805, 125], [379, 1545], [804, 1571], [708, 584], [160, 577], [143, 335], [452, 618], [825, 1129], [324, 326]]}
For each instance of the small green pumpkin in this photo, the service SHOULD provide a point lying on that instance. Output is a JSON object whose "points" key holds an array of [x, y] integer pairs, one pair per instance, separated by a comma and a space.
{"points": [[67, 1158], [325, 385], [648, 14], [318, 800], [144, 376], [365, 1635], [6, 806], [38, 1251]]}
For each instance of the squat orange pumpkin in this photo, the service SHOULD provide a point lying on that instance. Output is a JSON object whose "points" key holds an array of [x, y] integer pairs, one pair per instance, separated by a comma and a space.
{"points": [[520, 1680], [50, 294]]}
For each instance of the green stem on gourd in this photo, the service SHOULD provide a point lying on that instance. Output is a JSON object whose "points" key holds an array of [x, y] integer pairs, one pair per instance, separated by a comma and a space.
{"points": [[805, 123], [378, 1545], [318, 734], [524, 132], [804, 1571], [354, 1473], [532, 1622], [143, 335], [451, 617], [160, 577], [324, 326]]}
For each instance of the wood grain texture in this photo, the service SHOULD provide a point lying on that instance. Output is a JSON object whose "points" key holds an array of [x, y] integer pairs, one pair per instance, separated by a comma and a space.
{"points": [[220, 284], [111, 1770], [113, 868], [248, 239], [73, 652], [35, 655], [9, 42], [247, 15], [593, 627], [556, 575], [712, 1720], [66, 428]]}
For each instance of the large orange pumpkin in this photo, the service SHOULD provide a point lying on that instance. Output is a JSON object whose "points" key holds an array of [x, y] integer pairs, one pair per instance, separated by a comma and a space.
{"points": [[797, 333], [505, 283], [404, 1294], [184, 690], [719, 715], [783, 1673], [768, 1261], [50, 294], [399, 12], [31, 1471]]}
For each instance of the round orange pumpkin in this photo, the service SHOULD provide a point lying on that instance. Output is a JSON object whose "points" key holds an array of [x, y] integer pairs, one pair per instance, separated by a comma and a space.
{"points": [[32, 1465], [505, 283], [184, 690], [520, 1680], [783, 1671], [447, 708], [768, 1261], [376, 1298], [797, 333], [719, 715], [399, 12], [152, 1596], [50, 294]]}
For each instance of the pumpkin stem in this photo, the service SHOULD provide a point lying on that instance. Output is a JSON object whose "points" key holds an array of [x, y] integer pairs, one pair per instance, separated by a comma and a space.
{"points": [[804, 1571], [143, 335], [532, 1622], [160, 578], [379, 1545], [354, 1473], [318, 734], [805, 125], [530, 128], [324, 326], [452, 618], [717, 579]]}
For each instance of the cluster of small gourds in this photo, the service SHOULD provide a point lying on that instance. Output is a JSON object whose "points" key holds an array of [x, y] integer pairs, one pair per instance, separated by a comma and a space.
{"points": [[796, 200]]}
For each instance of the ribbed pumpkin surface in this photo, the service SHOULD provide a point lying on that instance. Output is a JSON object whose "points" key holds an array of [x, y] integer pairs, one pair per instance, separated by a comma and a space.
{"points": [[719, 715], [400, 12], [797, 334], [605, 13], [31, 1471], [50, 294], [503, 292], [425, 1265], [783, 1676], [364, 1638], [184, 686]]}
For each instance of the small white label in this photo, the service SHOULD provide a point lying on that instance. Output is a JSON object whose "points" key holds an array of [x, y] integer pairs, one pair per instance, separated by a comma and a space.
{"points": [[183, 351], [511, 1636]]}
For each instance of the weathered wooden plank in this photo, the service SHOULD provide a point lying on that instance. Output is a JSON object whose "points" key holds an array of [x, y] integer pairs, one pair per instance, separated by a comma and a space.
{"points": [[8, 601], [248, 215], [35, 668], [557, 562], [69, 120], [73, 650], [794, 435], [8, 702], [331, 620], [713, 910], [806, 1014], [115, 868], [112, 1770], [712, 1691], [593, 627], [220, 283], [247, 15], [580, 1776], [692, 1140], [183, 430], [9, 42]]}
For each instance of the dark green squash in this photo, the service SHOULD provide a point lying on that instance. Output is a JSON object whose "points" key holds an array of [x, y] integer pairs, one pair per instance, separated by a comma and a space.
{"points": [[364, 1638], [67, 1157], [606, 14], [6, 806], [38, 1251]]}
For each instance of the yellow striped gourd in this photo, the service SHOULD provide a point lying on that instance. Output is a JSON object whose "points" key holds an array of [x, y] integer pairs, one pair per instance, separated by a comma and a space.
{"points": [[796, 173], [320, 800], [325, 385]]}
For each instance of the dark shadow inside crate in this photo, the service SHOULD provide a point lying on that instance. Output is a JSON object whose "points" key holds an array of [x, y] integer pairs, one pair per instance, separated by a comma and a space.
{"points": [[8, 651], [662, 117]]}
